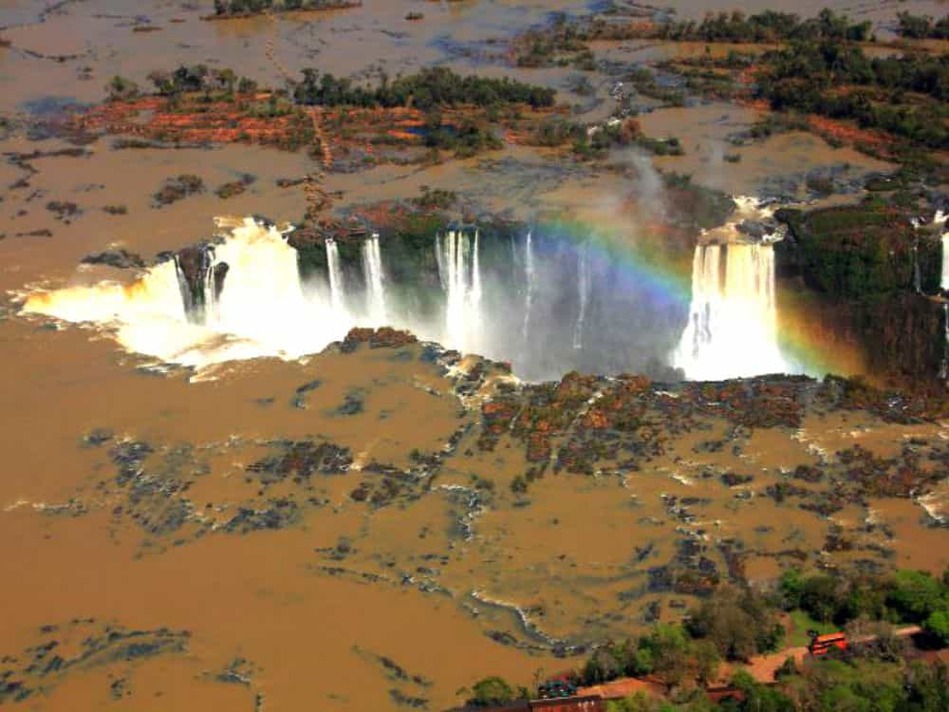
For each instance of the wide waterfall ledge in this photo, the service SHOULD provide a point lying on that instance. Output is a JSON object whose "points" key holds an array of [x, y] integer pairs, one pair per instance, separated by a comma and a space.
{"points": [[547, 301]]}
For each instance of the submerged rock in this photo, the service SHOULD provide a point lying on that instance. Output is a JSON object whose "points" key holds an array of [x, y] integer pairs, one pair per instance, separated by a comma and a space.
{"points": [[118, 258]]}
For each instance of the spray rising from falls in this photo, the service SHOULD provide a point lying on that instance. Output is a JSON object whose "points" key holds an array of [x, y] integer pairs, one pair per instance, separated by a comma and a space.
{"points": [[375, 281], [239, 299], [944, 284], [337, 283], [940, 220], [460, 273], [552, 300], [944, 368], [732, 329], [583, 294], [530, 277]]}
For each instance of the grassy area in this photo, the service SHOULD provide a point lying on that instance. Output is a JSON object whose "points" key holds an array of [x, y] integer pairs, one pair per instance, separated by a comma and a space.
{"points": [[801, 622]]}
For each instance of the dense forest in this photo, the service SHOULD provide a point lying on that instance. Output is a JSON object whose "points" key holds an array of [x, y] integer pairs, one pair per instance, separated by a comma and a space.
{"points": [[431, 87], [548, 46], [238, 8], [767, 26], [920, 27], [734, 624], [903, 95]]}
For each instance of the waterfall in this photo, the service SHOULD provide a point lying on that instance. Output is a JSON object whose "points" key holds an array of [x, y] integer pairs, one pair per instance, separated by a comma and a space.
{"points": [[732, 328], [944, 283], [337, 288], [529, 278], [245, 291], [939, 220], [583, 294], [460, 274], [944, 368], [261, 298], [375, 281], [917, 275]]}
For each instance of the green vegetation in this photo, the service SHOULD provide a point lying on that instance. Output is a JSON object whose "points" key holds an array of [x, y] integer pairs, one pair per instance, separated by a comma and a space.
{"points": [[911, 597], [240, 8], [598, 140], [217, 84], [121, 89], [491, 691], [857, 685], [666, 651], [767, 26], [859, 251], [902, 95], [232, 188], [565, 42], [801, 623], [435, 198], [466, 139], [645, 82], [919, 27], [175, 189], [560, 44], [431, 87], [735, 624]]}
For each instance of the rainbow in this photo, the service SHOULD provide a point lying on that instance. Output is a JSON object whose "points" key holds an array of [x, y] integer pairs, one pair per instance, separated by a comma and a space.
{"points": [[646, 262]]}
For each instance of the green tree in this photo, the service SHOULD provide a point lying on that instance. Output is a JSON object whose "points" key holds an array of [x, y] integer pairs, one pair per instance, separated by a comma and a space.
{"points": [[791, 589], [821, 597], [937, 625], [120, 88], [492, 690], [915, 595]]}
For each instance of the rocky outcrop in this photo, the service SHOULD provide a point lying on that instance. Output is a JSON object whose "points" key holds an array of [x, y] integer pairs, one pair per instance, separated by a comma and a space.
{"points": [[119, 258], [902, 336], [858, 251], [871, 271], [382, 338]]}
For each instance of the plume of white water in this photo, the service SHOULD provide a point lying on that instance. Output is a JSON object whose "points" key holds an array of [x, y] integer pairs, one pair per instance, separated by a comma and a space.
{"points": [[583, 292], [337, 284], [375, 281], [530, 277], [917, 274], [945, 262], [261, 310], [460, 273], [732, 329], [944, 370]]}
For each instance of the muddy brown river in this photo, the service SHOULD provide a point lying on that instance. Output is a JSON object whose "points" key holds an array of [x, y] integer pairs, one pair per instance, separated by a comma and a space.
{"points": [[333, 532]]}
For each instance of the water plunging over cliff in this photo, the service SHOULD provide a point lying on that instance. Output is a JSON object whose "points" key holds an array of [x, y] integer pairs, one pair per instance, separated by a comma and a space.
{"points": [[337, 283], [940, 220], [944, 368], [583, 294], [544, 300], [245, 299], [375, 281], [530, 276], [732, 328], [460, 273]]}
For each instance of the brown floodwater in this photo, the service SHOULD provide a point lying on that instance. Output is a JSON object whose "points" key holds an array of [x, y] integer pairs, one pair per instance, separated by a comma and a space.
{"points": [[352, 604]]}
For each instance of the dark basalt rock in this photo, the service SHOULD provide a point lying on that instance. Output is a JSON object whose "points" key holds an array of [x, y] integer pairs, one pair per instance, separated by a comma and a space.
{"points": [[119, 258], [755, 229], [129, 457], [97, 437], [382, 338], [279, 514], [302, 460], [300, 397]]}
